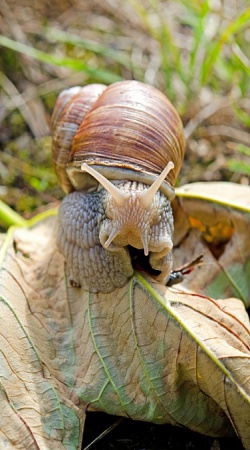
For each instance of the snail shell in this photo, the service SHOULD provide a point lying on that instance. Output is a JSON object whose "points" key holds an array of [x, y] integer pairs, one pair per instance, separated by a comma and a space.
{"points": [[128, 130], [69, 112], [131, 134]]}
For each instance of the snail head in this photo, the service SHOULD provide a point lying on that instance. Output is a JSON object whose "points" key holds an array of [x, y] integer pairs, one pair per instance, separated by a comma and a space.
{"points": [[136, 217]]}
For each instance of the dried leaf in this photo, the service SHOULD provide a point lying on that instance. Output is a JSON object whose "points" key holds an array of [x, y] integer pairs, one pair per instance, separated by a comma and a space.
{"points": [[213, 219], [144, 351], [34, 412]]}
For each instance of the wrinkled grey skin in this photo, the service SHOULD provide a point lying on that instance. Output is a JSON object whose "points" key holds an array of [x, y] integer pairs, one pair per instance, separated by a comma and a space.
{"points": [[86, 219]]}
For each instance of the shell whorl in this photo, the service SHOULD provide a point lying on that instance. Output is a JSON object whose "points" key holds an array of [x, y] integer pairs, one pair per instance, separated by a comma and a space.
{"points": [[130, 131], [69, 111]]}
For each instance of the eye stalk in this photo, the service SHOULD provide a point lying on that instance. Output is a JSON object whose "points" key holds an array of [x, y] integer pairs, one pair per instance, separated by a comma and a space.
{"points": [[119, 196], [148, 195], [116, 193]]}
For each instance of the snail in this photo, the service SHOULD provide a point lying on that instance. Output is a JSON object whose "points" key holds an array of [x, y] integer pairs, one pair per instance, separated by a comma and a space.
{"points": [[117, 151]]}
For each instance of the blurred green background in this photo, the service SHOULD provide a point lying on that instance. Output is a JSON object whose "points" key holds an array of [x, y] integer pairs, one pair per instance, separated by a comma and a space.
{"points": [[197, 52]]}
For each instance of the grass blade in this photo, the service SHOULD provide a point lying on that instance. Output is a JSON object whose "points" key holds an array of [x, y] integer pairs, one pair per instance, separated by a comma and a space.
{"points": [[238, 166], [89, 45], [10, 217], [98, 74], [229, 31]]}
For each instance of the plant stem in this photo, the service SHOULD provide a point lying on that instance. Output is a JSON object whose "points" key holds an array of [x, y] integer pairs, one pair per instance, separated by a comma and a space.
{"points": [[9, 217]]}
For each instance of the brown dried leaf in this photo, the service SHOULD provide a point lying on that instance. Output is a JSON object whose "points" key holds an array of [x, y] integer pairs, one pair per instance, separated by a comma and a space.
{"points": [[144, 351], [213, 219]]}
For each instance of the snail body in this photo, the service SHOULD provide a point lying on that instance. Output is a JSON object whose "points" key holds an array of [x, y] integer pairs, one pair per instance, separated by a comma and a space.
{"points": [[117, 151]]}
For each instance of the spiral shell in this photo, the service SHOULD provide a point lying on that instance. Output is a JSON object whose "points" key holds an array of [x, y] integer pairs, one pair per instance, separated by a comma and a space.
{"points": [[69, 111], [130, 130]]}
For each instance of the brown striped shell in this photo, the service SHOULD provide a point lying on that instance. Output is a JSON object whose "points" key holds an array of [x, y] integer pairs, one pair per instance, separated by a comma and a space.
{"points": [[70, 109], [128, 130]]}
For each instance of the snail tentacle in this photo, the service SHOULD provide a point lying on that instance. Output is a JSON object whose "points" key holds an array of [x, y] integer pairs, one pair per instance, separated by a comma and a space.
{"points": [[147, 196], [118, 195]]}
